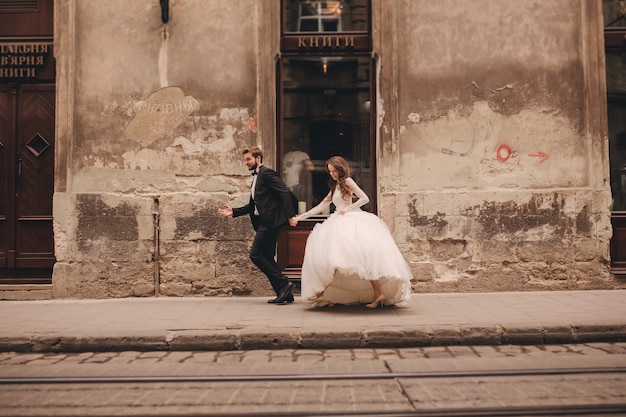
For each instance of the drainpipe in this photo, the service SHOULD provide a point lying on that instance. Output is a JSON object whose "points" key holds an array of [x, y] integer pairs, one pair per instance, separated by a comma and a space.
{"points": [[156, 250]]}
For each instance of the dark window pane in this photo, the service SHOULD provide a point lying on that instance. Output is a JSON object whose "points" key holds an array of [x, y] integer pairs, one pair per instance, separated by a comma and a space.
{"points": [[325, 113], [614, 13], [308, 25], [330, 25]]}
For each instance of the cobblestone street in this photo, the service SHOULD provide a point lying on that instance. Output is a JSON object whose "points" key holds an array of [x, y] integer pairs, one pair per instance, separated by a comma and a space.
{"points": [[302, 382]]}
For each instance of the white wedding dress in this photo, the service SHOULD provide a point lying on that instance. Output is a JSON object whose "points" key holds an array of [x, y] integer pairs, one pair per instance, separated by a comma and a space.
{"points": [[348, 250]]}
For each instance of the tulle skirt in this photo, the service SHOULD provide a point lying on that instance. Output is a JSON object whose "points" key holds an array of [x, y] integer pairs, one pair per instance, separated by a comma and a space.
{"points": [[344, 253]]}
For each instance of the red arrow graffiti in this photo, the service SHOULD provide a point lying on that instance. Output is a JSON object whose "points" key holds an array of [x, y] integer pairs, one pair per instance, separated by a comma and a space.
{"points": [[541, 155]]}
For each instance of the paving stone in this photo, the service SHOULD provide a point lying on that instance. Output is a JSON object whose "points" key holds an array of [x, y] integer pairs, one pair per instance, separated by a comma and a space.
{"points": [[244, 323]]}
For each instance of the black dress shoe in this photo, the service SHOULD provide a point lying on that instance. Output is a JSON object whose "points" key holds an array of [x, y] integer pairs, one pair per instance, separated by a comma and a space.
{"points": [[275, 300], [285, 293], [288, 300]]}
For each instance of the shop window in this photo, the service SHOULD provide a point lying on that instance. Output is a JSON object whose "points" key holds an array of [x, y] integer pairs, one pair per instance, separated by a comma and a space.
{"points": [[615, 43], [615, 53], [326, 107], [325, 95], [325, 112]]}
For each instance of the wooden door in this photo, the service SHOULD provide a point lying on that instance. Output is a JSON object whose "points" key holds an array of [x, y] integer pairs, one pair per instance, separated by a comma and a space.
{"points": [[27, 155], [27, 106]]}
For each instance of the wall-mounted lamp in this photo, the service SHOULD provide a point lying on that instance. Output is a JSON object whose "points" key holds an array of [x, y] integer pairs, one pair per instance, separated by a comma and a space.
{"points": [[165, 10]]}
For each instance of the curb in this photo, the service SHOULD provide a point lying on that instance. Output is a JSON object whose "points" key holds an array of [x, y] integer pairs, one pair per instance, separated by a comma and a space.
{"points": [[290, 338]]}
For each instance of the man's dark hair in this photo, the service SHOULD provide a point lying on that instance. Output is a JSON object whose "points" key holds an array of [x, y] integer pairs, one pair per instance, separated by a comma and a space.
{"points": [[255, 151]]}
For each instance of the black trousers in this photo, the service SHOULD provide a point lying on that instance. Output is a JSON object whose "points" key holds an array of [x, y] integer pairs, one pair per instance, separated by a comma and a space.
{"points": [[262, 255]]}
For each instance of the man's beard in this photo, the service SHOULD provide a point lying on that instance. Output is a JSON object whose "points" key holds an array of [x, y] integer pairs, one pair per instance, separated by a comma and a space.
{"points": [[253, 167]]}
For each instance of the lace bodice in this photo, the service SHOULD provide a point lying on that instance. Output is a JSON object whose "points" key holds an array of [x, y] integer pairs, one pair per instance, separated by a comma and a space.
{"points": [[339, 201]]}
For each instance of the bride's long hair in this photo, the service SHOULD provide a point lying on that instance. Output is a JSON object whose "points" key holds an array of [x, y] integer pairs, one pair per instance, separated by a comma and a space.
{"points": [[342, 167]]}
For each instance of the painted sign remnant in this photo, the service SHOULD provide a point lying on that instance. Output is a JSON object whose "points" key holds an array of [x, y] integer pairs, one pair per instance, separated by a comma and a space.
{"points": [[159, 114]]}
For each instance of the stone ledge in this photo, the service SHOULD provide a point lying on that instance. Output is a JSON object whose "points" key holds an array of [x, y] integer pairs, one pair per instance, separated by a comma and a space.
{"points": [[11, 292]]}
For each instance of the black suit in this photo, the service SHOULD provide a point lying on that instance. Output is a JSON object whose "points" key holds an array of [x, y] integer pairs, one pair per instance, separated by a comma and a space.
{"points": [[274, 205]]}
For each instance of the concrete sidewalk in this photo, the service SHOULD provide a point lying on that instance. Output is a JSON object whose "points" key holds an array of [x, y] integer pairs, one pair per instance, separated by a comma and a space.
{"points": [[250, 323]]}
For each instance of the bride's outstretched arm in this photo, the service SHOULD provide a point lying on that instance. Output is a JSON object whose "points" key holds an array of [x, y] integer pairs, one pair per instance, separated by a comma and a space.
{"points": [[317, 209]]}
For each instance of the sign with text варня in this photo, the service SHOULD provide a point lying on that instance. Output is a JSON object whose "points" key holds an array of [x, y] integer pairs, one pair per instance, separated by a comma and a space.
{"points": [[23, 60]]}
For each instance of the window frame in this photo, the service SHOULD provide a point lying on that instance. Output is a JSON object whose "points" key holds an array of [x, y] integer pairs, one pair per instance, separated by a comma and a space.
{"points": [[331, 44], [311, 42]]}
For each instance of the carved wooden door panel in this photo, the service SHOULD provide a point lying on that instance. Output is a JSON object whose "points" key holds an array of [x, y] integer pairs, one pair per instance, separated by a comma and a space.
{"points": [[6, 172], [27, 155]]}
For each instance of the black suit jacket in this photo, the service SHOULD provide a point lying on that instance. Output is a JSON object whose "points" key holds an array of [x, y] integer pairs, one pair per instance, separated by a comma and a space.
{"points": [[273, 201]]}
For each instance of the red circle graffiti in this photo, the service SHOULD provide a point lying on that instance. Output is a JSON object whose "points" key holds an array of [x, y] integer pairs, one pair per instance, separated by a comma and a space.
{"points": [[503, 153]]}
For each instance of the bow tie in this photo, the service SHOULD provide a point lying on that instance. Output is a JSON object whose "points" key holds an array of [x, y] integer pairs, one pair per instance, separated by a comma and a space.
{"points": [[254, 172]]}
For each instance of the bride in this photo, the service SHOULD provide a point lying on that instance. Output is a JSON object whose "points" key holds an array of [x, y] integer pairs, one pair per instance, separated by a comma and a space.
{"points": [[351, 258]]}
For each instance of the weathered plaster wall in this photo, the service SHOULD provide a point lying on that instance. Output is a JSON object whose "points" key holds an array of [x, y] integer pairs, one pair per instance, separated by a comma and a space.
{"points": [[492, 100], [490, 175], [159, 114], [491, 184]]}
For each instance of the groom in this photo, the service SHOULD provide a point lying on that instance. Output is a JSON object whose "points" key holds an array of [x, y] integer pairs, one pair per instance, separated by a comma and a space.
{"points": [[270, 207]]}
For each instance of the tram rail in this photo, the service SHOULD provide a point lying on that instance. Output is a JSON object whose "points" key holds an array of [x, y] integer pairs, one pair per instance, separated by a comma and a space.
{"points": [[616, 409], [305, 377]]}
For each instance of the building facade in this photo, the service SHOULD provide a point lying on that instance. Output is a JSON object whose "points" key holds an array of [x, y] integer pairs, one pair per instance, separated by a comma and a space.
{"points": [[479, 132]]}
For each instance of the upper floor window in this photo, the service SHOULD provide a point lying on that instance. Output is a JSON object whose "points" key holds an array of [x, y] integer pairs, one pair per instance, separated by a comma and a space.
{"points": [[325, 16], [338, 26]]}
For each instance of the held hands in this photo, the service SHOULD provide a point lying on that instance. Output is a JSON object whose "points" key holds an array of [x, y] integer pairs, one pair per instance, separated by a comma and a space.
{"points": [[226, 211]]}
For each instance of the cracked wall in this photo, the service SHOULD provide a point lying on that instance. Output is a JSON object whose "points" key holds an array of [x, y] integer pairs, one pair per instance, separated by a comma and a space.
{"points": [[495, 175]]}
